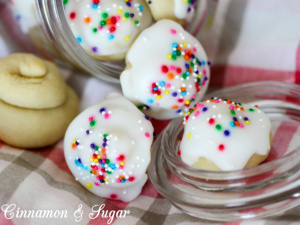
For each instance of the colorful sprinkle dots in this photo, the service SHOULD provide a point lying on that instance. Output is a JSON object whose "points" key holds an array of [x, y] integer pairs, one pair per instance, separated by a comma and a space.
{"points": [[113, 196], [75, 143], [226, 132], [188, 70], [107, 21], [218, 127], [211, 121], [72, 15], [221, 147], [224, 129], [132, 178]]}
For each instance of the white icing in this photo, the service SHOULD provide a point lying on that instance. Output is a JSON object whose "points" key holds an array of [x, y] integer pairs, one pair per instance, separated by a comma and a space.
{"points": [[104, 41], [242, 142], [25, 13], [122, 121], [184, 10], [146, 58]]}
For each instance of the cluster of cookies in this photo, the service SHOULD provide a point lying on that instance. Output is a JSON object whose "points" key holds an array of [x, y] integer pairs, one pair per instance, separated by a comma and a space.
{"points": [[107, 28], [108, 146]]}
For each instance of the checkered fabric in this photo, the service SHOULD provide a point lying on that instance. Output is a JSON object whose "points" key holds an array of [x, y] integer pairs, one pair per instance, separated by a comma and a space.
{"points": [[246, 41]]}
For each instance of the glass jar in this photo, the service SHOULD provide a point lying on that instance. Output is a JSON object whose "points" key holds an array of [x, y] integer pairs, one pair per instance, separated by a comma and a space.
{"points": [[53, 39], [265, 190]]}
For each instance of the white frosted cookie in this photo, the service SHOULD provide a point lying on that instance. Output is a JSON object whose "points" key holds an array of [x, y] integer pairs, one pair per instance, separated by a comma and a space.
{"points": [[224, 135], [36, 106], [107, 148], [181, 11], [106, 28], [25, 13], [167, 70]]}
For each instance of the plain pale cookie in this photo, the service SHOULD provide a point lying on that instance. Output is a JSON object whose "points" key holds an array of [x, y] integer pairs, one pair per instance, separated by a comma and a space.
{"points": [[35, 128], [36, 106], [29, 82]]}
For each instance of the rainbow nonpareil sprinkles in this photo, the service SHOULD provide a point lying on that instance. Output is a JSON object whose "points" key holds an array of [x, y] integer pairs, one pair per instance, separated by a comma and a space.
{"points": [[106, 27], [104, 154], [168, 71]]}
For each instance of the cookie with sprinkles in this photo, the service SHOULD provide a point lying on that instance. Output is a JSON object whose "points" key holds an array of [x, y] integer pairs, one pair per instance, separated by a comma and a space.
{"points": [[181, 11], [25, 13], [106, 28], [167, 71], [107, 148], [220, 134]]}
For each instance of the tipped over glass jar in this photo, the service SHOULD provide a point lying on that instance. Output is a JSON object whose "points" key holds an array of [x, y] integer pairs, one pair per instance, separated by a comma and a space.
{"points": [[265, 190]]}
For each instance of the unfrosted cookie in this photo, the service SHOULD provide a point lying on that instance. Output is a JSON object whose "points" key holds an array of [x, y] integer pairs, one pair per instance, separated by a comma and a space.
{"points": [[30, 82], [107, 148], [181, 11], [106, 28], [167, 70], [36, 106], [223, 135]]}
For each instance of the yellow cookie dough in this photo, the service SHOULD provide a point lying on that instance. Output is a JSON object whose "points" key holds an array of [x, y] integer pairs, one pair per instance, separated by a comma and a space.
{"points": [[27, 81], [36, 106]]}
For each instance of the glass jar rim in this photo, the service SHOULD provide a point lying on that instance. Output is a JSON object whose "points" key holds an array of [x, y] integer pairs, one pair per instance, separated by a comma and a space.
{"points": [[174, 160], [207, 194]]}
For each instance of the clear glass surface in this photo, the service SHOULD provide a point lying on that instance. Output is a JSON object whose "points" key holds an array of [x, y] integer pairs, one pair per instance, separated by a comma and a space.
{"points": [[265, 190]]}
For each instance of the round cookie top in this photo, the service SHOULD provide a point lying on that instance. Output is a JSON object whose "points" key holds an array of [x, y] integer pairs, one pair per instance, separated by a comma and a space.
{"points": [[180, 11], [107, 148], [107, 27], [167, 70], [184, 9], [224, 132], [29, 82]]}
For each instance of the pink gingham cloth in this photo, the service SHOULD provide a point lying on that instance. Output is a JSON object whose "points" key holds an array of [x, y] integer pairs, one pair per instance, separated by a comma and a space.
{"points": [[248, 40]]}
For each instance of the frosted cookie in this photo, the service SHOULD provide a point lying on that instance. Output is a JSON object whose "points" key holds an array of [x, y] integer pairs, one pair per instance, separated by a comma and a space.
{"points": [[167, 70], [25, 13], [36, 106], [106, 28], [224, 135], [181, 11], [107, 148]]}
